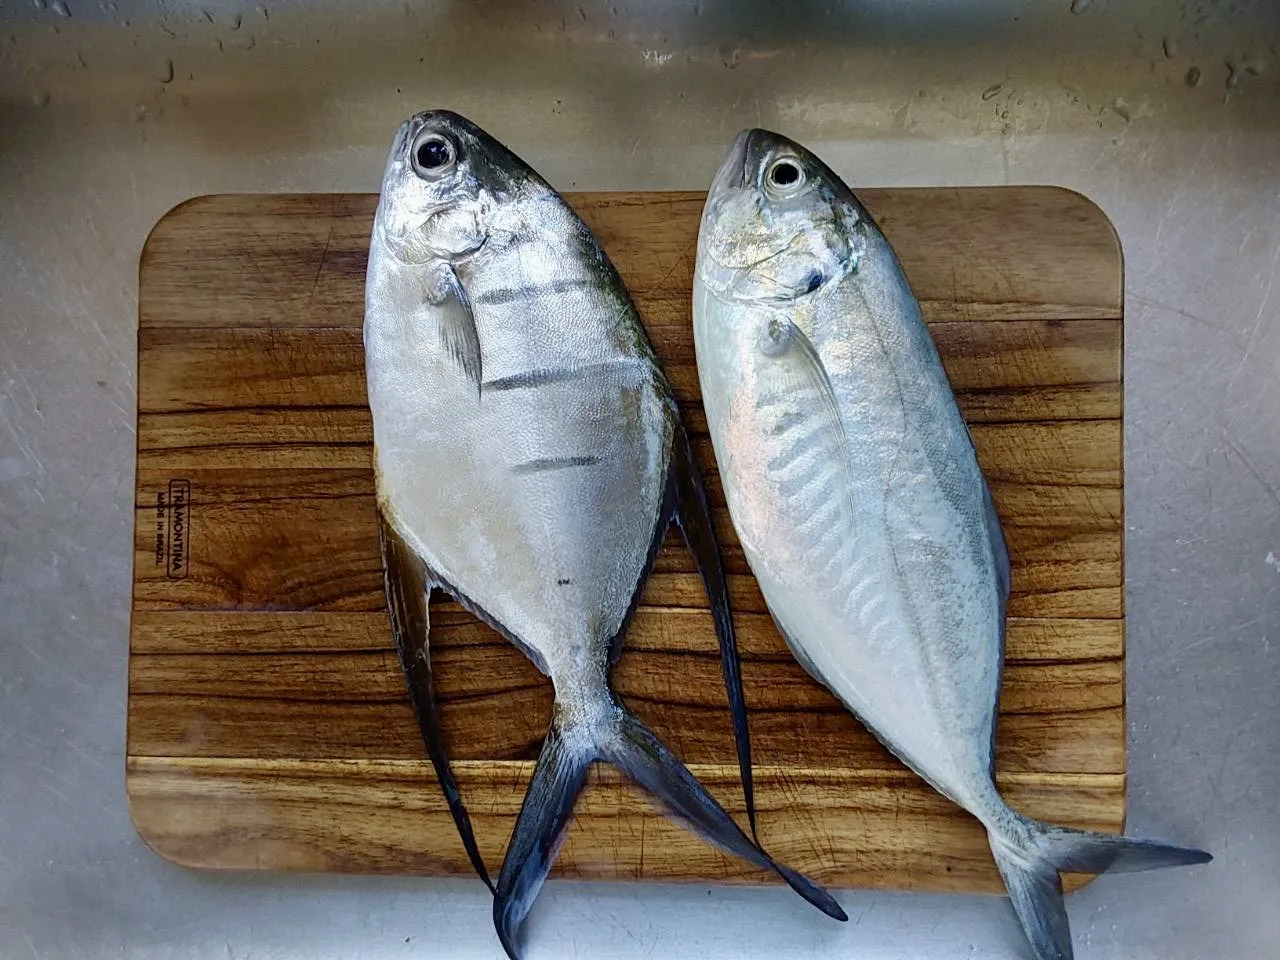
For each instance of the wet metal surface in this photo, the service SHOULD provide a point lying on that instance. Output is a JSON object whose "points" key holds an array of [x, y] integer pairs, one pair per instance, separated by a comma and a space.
{"points": [[1166, 114]]}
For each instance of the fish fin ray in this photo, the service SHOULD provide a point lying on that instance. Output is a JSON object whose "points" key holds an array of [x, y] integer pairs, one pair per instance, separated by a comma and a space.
{"points": [[1035, 890], [457, 324], [694, 516], [1031, 855], [650, 763], [558, 779], [407, 588]]}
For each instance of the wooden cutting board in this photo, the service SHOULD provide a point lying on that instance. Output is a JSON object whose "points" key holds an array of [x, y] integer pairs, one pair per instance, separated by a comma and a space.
{"points": [[268, 722]]}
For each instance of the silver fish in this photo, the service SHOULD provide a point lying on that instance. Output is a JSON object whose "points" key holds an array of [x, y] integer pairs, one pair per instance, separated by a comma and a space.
{"points": [[855, 489], [529, 459]]}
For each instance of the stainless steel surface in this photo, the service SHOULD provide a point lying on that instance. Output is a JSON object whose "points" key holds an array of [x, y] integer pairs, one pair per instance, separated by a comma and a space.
{"points": [[112, 114]]}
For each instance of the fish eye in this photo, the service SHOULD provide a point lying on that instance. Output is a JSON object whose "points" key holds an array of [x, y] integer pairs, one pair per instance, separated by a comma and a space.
{"points": [[785, 174], [433, 156]]}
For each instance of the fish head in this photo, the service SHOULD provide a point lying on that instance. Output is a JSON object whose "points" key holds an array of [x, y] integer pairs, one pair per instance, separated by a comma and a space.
{"points": [[778, 224], [442, 188]]}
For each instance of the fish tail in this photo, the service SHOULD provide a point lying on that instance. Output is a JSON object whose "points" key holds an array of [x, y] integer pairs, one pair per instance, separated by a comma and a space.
{"points": [[1030, 854], [649, 762], [559, 777]]}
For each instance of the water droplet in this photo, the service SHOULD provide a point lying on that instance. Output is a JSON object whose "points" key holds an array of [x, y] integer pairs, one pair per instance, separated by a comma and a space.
{"points": [[1121, 108], [61, 9], [166, 71], [40, 99], [992, 90], [1080, 6], [235, 22], [38, 4], [1170, 46]]}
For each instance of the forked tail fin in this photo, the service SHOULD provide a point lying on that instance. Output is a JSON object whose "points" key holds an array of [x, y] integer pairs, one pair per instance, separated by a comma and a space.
{"points": [[559, 777], [1031, 855]]}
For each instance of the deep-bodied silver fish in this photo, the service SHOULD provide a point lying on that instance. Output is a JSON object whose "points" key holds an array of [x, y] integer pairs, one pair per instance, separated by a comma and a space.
{"points": [[529, 458], [855, 489]]}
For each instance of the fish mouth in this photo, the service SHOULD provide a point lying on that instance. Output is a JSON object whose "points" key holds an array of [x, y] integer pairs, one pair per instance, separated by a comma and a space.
{"points": [[732, 174], [748, 155]]}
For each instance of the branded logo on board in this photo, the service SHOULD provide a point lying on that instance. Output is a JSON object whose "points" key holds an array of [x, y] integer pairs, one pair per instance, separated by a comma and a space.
{"points": [[177, 551]]}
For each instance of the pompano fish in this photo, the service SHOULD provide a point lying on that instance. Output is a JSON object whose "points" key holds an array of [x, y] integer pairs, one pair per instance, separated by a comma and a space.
{"points": [[529, 459], [855, 489]]}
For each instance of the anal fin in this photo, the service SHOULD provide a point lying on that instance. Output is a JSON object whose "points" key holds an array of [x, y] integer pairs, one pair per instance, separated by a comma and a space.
{"points": [[407, 588]]}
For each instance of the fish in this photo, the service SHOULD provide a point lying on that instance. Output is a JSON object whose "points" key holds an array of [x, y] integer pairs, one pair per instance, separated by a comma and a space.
{"points": [[529, 457], [854, 486]]}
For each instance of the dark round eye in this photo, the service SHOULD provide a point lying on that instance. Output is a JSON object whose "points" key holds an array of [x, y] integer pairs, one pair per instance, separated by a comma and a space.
{"points": [[433, 155], [784, 173]]}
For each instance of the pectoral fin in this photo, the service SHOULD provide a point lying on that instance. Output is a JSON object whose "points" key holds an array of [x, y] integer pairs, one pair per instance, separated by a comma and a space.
{"points": [[455, 322], [407, 586], [798, 360]]}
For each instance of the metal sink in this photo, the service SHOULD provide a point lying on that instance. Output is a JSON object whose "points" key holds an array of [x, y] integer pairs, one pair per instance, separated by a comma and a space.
{"points": [[1166, 114]]}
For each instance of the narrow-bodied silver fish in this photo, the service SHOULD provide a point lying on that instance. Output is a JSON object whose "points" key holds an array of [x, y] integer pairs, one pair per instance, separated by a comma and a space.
{"points": [[529, 458], [855, 489]]}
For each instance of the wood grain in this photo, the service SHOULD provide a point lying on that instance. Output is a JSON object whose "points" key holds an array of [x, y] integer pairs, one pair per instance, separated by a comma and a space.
{"points": [[269, 726], [855, 829]]}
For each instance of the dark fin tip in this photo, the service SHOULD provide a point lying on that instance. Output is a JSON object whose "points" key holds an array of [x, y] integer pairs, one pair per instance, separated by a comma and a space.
{"points": [[502, 923], [811, 892]]}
